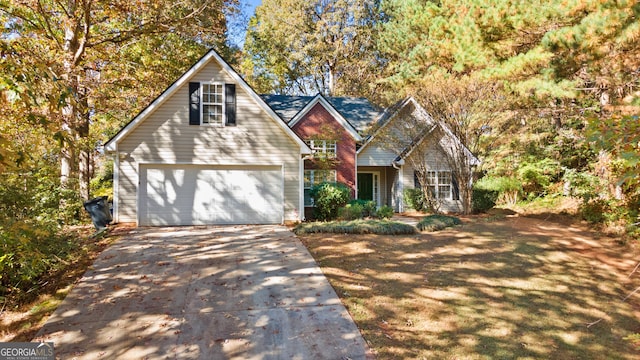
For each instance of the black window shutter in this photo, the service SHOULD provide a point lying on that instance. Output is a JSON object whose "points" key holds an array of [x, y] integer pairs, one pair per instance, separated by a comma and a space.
{"points": [[456, 188], [194, 103], [230, 104]]}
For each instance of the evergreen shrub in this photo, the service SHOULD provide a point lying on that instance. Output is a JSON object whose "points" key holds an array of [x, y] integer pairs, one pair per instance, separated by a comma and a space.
{"points": [[328, 197]]}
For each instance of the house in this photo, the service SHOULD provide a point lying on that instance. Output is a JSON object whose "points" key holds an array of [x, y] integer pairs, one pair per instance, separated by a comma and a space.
{"points": [[343, 134], [210, 150]]}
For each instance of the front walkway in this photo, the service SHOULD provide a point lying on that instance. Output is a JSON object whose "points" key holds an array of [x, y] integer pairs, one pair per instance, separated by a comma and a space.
{"points": [[235, 292]]}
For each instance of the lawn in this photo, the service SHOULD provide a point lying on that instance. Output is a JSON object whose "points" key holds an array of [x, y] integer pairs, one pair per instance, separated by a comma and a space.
{"points": [[503, 287]]}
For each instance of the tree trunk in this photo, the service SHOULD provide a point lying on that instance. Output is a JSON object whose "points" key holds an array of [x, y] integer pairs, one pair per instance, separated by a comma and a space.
{"points": [[84, 160], [67, 158]]}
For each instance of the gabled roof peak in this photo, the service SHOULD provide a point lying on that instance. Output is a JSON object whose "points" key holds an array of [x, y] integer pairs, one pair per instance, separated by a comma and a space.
{"points": [[357, 111]]}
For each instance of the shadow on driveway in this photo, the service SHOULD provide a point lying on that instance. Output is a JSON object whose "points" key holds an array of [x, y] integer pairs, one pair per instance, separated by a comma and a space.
{"points": [[233, 292]]}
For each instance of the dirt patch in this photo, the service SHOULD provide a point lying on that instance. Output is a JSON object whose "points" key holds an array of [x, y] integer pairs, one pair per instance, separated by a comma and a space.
{"points": [[499, 286]]}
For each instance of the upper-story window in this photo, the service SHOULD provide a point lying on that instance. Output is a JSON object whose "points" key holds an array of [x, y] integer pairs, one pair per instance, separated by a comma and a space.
{"points": [[212, 104], [323, 148]]}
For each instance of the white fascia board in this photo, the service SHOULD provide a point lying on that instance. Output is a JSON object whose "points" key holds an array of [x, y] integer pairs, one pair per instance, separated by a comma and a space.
{"points": [[111, 145], [336, 115]]}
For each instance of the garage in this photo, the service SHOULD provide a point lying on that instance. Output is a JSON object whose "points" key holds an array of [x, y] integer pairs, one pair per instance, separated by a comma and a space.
{"points": [[210, 195]]}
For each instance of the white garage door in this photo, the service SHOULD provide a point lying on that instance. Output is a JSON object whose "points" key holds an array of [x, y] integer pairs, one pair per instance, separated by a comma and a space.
{"points": [[204, 195]]}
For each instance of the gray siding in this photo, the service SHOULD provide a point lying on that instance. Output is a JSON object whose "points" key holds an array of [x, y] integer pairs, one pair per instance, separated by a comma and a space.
{"points": [[374, 155], [165, 137]]}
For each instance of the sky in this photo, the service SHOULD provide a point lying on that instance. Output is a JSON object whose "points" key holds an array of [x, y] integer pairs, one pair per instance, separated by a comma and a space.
{"points": [[248, 9]]}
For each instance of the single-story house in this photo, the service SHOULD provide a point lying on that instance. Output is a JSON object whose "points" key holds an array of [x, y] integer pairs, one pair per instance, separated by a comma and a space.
{"points": [[210, 150]]}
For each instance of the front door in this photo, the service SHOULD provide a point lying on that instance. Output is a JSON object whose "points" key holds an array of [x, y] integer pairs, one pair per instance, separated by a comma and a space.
{"points": [[368, 187]]}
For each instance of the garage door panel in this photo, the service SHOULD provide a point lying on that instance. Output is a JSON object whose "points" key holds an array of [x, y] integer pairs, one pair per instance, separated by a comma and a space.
{"points": [[194, 195]]}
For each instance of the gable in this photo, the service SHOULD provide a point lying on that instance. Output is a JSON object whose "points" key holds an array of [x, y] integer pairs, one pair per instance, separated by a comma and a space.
{"points": [[314, 106], [371, 151], [211, 68]]}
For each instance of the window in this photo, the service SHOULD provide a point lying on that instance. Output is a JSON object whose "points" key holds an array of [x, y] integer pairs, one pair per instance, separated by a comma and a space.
{"points": [[315, 177], [212, 103], [444, 185], [441, 184], [325, 149], [432, 180]]}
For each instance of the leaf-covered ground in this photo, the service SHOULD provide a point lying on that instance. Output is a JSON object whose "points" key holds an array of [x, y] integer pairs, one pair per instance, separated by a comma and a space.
{"points": [[504, 287], [22, 317]]}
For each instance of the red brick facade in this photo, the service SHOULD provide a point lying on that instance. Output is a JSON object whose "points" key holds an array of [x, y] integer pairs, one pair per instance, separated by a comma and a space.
{"points": [[319, 124]]}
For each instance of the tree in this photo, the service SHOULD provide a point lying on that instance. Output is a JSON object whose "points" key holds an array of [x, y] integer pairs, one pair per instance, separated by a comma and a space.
{"points": [[305, 47], [544, 51], [68, 59]]}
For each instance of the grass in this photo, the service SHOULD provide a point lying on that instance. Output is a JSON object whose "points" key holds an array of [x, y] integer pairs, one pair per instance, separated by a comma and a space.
{"points": [[513, 288], [437, 222], [382, 227]]}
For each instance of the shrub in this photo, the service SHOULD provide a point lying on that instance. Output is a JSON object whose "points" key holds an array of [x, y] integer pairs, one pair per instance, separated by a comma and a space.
{"points": [[328, 197], [483, 199], [368, 206], [380, 227], [351, 212], [594, 210], [581, 184], [437, 222], [385, 212], [414, 198], [507, 188], [29, 250], [537, 176]]}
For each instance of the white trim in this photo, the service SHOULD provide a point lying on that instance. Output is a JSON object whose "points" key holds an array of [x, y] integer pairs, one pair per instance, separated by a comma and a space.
{"points": [[301, 214], [116, 186], [282, 173], [139, 193], [223, 114], [401, 189], [377, 184], [336, 115], [313, 180], [111, 145]]}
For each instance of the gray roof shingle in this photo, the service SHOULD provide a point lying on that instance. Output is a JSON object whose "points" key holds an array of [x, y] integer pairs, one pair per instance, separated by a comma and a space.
{"points": [[357, 111]]}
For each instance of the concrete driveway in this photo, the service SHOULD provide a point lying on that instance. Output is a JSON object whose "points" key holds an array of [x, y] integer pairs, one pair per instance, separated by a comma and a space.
{"points": [[233, 292]]}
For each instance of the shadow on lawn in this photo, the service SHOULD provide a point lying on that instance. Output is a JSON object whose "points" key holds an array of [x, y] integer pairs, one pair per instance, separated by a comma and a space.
{"points": [[511, 288]]}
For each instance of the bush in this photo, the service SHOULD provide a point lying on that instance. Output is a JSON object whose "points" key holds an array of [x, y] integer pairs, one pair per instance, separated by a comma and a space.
{"points": [[29, 250], [507, 188], [385, 212], [537, 176], [380, 227], [368, 206], [437, 222], [414, 198], [483, 199], [351, 212], [582, 184], [328, 197], [594, 210]]}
